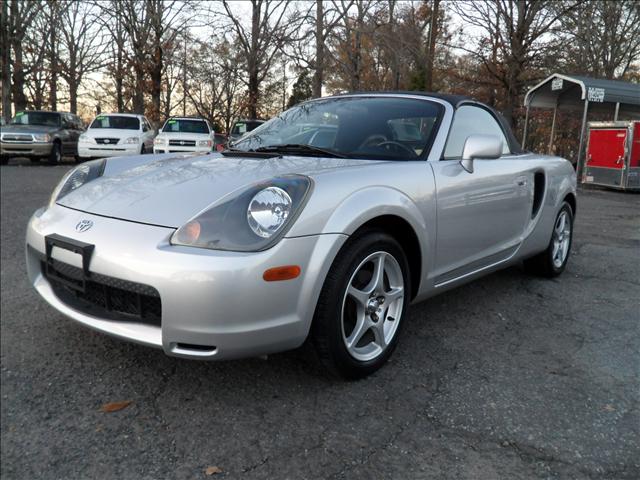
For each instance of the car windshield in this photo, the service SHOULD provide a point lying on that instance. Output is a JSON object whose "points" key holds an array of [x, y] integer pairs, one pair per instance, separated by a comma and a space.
{"points": [[390, 128], [244, 126], [36, 118], [113, 121], [185, 126]]}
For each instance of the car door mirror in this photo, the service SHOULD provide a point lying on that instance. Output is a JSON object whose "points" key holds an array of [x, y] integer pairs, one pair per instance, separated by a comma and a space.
{"points": [[480, 146]]}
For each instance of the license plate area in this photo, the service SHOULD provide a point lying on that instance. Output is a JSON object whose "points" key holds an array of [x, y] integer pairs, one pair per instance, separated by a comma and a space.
{"points": [[85, 250]]}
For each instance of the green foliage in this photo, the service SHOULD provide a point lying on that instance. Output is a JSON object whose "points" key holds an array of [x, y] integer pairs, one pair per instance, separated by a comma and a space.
{"points": [[302, 89]]}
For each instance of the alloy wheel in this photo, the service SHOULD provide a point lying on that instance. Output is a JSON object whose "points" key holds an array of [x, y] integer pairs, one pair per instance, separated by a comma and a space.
{"points": [[561, 239], [372, 306]]}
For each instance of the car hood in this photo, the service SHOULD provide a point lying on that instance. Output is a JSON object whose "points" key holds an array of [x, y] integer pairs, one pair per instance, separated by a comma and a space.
{"points": [[169, 190], [111, 133], [29, 129]]}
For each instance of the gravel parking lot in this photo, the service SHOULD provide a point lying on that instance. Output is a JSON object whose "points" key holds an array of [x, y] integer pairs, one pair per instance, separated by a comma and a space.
{"points": [[508, 377]]}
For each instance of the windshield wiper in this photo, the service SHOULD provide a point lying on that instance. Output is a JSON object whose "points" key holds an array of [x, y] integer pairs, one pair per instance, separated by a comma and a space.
{"points": [[300, 148]]}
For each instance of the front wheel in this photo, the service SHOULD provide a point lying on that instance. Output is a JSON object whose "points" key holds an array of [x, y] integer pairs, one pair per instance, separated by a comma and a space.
{"points": [[362, 305], [55, 157], [553, 260]]}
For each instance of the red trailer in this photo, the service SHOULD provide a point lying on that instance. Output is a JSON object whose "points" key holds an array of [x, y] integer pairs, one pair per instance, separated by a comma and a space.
{"points": [[613, 155]]}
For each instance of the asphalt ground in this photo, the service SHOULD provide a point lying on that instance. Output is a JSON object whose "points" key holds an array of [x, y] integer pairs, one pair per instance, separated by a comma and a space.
{"points": [[509, 377]]}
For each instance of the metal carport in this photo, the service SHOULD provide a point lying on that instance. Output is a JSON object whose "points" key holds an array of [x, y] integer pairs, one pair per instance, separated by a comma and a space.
{"points": [[574, 92]]}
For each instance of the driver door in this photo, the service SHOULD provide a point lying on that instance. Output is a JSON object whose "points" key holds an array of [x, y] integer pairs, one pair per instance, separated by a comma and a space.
{"points": [[481, 215]]}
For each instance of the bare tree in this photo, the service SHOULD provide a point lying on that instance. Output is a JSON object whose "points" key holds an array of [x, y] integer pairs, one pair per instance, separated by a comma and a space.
{"points": [[167, 19], [136, 23], [349, 37], [81, 46], [433, 37], [603, 38], [17, 20], [270, 30], [521, 29]]}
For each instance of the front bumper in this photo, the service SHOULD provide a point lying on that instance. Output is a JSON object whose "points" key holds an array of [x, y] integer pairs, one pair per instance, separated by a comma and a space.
{"points": [[215, 305], [89, 150], [25, 149]]}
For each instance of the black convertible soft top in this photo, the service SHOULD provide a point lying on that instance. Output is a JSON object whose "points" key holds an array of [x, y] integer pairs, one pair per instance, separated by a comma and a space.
{"points": [[455, 101]]}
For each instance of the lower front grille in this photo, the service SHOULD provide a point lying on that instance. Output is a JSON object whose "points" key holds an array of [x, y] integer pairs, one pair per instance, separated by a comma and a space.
{"points": [[182, 143], [10, 137], [107, 141], [102, 296]]}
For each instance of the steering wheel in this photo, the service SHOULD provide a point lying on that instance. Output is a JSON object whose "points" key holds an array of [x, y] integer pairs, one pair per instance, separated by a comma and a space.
{"points": [[373, 141], [399, 145]]}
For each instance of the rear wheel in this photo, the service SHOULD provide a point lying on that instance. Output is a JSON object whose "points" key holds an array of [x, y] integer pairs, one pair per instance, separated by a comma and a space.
{"points": [[363, 302], [553, 260], [4, 160], [142, 150]]}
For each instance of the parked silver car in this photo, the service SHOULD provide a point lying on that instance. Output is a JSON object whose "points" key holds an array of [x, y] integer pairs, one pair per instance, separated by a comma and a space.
{"points": [[325, 222]]}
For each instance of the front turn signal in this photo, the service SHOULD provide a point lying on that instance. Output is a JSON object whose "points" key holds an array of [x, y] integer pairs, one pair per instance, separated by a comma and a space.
{"points": [[277, 274]]}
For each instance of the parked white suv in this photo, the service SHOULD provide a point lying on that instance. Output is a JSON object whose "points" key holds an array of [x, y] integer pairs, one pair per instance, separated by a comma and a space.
{"points": [[115, 135], [184, 134]]}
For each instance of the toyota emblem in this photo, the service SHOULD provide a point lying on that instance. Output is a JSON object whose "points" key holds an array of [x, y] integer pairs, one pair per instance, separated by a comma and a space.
{"points": [[106, 140], [84, 225], [181, 142]]}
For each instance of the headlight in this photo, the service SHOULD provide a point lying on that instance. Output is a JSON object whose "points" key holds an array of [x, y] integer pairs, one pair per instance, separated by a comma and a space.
{"points": [[41, 137], [131, 140], [248, 220], [86, 138], [268, 211], [160, 141], [204, 143], [76, 178]]}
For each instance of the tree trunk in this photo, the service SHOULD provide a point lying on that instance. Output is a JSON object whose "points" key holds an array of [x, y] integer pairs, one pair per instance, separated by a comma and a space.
{"points": [[6, 61], [73, 94], [53, 59], [19, 98], [252, 64], [119, 81], [318, 74], [138, 95], [433, 36], [156, 82]]}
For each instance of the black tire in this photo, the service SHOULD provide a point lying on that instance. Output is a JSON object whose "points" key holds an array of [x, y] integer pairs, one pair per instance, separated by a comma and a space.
{"points": [[4, 160], [327, 327], [142, 150], [543, 264], [55, 157]]}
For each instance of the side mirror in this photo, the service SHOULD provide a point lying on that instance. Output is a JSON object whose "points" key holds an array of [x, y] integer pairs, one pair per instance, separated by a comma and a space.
{"points": [[480, 146]]}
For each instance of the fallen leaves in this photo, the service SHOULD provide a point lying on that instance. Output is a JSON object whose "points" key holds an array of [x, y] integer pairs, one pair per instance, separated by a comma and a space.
{"points": [[115, 406], [212, 470]]}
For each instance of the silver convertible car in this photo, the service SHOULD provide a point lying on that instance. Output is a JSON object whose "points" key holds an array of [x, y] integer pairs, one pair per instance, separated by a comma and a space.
{"points": [[324, 223]]}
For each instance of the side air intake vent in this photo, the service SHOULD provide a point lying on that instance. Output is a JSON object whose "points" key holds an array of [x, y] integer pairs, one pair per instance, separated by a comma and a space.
{"points": [[539, 185]]}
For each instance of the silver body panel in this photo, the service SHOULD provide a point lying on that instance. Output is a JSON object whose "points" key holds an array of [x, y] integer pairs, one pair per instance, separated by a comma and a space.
{"points": [[467, 224]]}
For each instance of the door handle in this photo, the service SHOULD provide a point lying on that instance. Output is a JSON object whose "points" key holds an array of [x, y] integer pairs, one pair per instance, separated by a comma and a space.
{"points": [[521, 181]]}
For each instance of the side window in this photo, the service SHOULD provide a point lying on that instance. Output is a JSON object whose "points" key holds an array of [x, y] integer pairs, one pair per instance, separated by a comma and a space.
{"points": [[145, 125], [78, 122], [67, 121], [471, 120]]}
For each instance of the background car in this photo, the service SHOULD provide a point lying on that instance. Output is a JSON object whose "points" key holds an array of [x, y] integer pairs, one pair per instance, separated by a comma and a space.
{"points": [[220, 141], [256, 249], [38, 134], [243, 126], [184, 134], [116, 134]]}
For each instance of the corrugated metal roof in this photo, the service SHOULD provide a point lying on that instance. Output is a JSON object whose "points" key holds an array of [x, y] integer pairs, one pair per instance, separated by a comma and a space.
{"points": [[568, 90]]}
